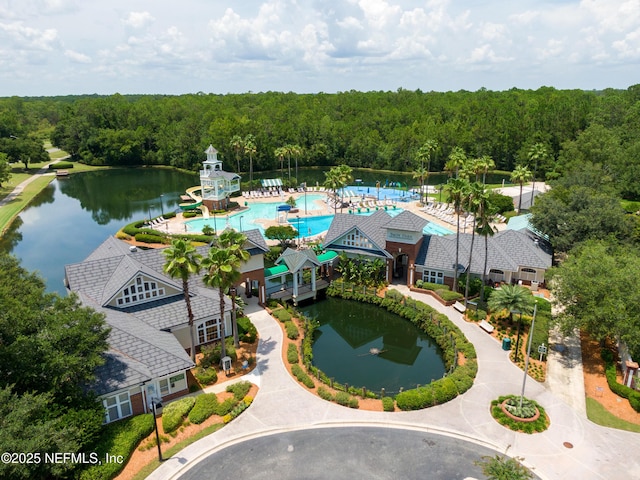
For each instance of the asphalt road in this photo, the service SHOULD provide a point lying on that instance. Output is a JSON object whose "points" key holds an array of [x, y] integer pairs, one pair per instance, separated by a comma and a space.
{"points": [[345, 453]]}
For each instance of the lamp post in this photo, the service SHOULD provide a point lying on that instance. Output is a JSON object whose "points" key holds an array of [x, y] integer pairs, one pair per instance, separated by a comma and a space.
{"points": [[298, 228], [234, 323], [215, 229], [515, 357], [155, 404], [149, 211], [241, 216], [162, 204], [526, 362], [304, 186]]}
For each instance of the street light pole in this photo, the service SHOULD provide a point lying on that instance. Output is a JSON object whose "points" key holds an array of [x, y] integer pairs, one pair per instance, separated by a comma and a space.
{"points": [[526, 363], [162, 204], [215, 230], [149, 211], [298, 225], [241, 223], [155, 404], [234, 323]]}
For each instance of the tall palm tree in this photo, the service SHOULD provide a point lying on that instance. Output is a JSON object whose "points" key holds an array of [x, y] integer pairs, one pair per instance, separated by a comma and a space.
{"points": [[345, 176], [424, 153], [537, 153], [233, 241], [512, 298], [280, 153], [237, 144], [296, 151], [456, 190], [474, 198], [420, 173], [457, 159], [486, 163], [183, 261], [223, 271], [332, 182], [486, 230], [249, 147], [520, 175]]}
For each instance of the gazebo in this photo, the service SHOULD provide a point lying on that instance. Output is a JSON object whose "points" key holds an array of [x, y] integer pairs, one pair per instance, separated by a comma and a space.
{"points": [[217, 185]]}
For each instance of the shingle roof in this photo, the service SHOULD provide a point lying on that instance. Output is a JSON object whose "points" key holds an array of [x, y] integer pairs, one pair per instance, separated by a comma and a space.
{"points": [[296, 259], [370, 226], [408, 221], [508, 250], [255, 239]]}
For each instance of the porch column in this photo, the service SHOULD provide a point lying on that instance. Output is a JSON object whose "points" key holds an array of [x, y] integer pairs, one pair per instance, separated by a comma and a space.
{"points": [[412, 271], [295, 284], [313, 279]]}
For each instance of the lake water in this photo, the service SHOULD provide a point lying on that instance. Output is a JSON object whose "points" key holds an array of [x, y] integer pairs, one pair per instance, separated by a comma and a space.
{"points": [[349, 330]]}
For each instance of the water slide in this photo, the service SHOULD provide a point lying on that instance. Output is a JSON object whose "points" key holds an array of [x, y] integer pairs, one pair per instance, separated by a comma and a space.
{"points": [[197, 201]]}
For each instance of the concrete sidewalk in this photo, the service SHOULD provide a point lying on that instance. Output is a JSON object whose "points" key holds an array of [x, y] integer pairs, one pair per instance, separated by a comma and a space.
{"points": [[572, 447]]}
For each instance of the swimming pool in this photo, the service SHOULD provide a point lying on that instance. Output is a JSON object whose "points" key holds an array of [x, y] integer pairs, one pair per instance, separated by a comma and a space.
{"points": [[382, 193]]}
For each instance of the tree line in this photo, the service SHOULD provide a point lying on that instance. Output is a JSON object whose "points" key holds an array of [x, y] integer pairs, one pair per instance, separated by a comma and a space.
{"points": [[380, 130]]}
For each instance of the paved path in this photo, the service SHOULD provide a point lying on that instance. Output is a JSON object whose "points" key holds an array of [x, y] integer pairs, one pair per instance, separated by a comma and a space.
{"points": [[21, 186], [282, 405]]}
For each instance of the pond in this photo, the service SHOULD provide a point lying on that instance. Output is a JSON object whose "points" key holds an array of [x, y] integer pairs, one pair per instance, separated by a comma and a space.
{"points": [[350, 333]]}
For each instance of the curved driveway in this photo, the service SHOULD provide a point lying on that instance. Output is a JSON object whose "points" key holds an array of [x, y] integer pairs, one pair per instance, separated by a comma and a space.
{"points": [[572, 447]]}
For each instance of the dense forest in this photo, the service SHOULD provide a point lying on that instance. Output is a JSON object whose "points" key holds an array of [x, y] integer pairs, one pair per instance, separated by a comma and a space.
{"points": [[381, 130]]}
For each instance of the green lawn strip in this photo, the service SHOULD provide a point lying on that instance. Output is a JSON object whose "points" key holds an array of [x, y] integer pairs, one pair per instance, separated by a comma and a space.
{"points": [[11, 210], [150, 467], [58, 154], [600, 415]]}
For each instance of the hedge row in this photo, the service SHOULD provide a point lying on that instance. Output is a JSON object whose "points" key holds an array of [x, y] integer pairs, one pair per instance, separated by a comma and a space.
{"points": [[59, 165], [622, 390], [292, 353], [205, 406], [282, 314], [291, 329], [247, 331], [174, 414], [239, 389], [444, 332], [302, 376], [118, 439], [341, 398]]}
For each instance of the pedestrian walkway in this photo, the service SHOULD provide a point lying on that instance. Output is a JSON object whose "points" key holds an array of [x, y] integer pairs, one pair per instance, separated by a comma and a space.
{"points": [[572, 447], [21, 186]]}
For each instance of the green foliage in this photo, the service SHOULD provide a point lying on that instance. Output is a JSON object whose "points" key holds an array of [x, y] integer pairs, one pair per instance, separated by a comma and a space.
{"points": [[239, 389], [292, 353], [190, 214], [539, 425], [448, 295], [325, 394], [205, 406], [302, 376], [206, 376], [388, 404], [501, 203], [622, 390], [282, 314], [175, 412], [432, 286], [226, 406], [503, 468], [291, 329], [60, 165], [283, 233], [346, 400], [118, 438], [247, 331], [149, 238]]}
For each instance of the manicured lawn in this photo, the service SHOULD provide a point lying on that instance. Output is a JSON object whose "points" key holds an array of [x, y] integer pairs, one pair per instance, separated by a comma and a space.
{"points": [[12, 209], [598, 414]]}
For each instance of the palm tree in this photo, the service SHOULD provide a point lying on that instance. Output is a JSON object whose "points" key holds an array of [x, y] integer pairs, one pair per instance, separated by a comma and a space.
{"points": [[332, 182], [182, 262], [485, 229], [456, 189], [280, 153], [486, 163], [512, 298], [457, 159], [234, 241], [237, 144], [424, 153], [249, 147], [475, 196], [296, 151], [521, 174], [223, 271], [420, 172], [537, 152], [345, 177]]}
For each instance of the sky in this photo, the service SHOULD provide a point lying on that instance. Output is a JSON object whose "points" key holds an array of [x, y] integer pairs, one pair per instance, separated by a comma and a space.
{"points": [[73, 47]]}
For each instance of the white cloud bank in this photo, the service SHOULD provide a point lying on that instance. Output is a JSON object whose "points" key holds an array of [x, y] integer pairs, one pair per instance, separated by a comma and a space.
{"points": [[50, 47]]}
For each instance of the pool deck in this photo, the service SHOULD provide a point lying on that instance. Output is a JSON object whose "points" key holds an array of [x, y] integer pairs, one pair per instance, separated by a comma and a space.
{"points": [[176, 225]]}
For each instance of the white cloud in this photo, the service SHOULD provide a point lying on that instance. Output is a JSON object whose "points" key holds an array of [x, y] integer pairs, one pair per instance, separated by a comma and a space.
{"points": [[77, 56], [138, 19], [28, 38]]}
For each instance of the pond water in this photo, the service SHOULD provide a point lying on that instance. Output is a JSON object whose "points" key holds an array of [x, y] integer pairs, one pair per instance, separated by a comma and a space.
{"points": [[349, 331]]}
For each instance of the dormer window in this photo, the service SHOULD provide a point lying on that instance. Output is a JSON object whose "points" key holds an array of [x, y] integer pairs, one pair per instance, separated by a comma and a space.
{"points": [[138, 291]]}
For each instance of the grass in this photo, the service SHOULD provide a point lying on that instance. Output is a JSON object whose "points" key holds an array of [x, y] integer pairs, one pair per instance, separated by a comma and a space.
{"points": [[600, 415], [150, 467], [11, 210]]}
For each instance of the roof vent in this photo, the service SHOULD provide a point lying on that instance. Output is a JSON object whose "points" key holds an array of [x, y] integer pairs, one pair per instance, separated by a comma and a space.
{"points": [[133, 248]]}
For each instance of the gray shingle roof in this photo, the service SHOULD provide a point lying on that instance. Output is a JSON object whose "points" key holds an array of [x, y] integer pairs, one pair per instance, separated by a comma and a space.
{"points": [[371, 226], [296, 259], [255, 240], [408, 221]]}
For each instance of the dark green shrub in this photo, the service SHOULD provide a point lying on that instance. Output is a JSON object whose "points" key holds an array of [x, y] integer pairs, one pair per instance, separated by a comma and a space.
{"points": [[388, 405], [118, 439], [292, 353], [291, 329], [622, 390], [175, 412], [60, 165], [394, 295], [325, 394], [538, 425], [448, 295], [434, 286], [190, 214], [282, 315], [419, 283], [226, 406], [247, 331], [212, 354], [148, 238], [302, 376], [502, 203], [476, 314], [169, 215], [239, 390], [206, 376], [204, 407], [273, 304], [346, 400]]}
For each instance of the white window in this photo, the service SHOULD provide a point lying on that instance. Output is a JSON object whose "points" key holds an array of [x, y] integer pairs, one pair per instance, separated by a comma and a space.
{"points": [[496, 275], [138, 291], [208, 331], [172, 384], [433, 276], [528, 274], [117, 406], [356, 239]]}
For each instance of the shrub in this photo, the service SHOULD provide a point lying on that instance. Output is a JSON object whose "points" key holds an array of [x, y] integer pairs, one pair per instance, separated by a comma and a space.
{"points": [[346, 400], [622, 390], [169, 214], [206, 376], [291, 329], [538, 425], [59, 165], [247, 331], [239, 389], [292, 353], [388, 405], [394, 295], [476, 314], [226, 406], [204, 407], [212, 354], [281, 314], [118, 438], [448, 295], [419, 283], [174, 413], [325, 394], [434, 286], [302, 376], [148, 238]]}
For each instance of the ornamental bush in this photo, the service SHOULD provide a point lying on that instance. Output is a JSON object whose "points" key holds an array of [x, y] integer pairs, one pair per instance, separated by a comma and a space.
{"points": [[622, 390], [302, 376], [239, 389], [148, 238], [292, 353], [325, 394], [247, 331], [206, 376], [388, 405], [291, 329], [59, 165], [448, 295], [174, 413], [204, 407], [282, 315]]}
